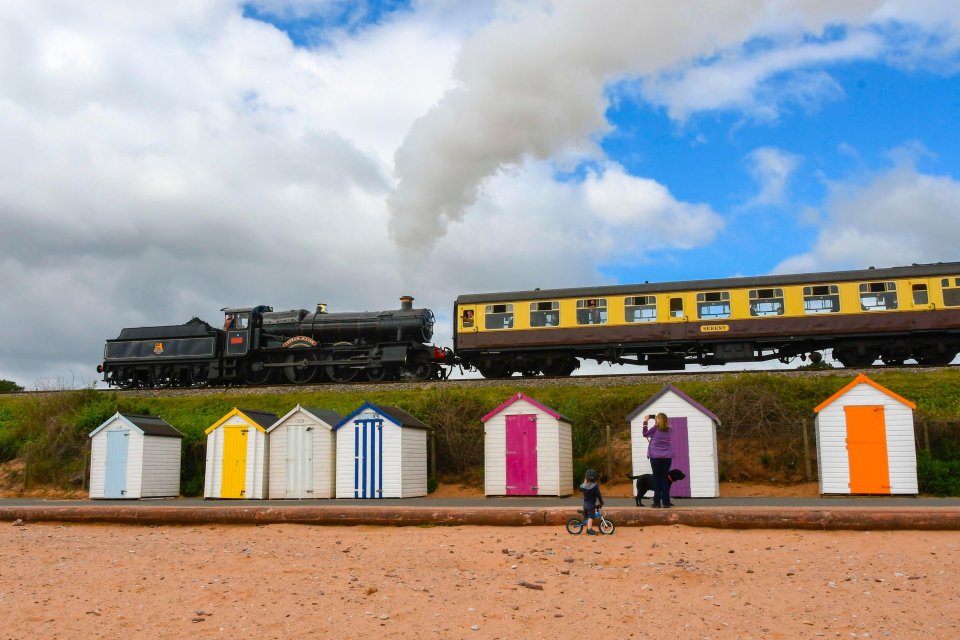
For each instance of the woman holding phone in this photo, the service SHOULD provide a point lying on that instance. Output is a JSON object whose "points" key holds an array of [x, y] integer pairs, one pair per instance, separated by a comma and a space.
{"points": [[660, 452]]}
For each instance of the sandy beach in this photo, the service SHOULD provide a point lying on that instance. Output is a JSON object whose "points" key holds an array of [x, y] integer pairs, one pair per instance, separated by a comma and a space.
{"points": [[289, 581]]}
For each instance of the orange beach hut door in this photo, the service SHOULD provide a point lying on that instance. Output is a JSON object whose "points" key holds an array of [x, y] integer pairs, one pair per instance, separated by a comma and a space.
{"points": [[867, 449], [234, 475]]}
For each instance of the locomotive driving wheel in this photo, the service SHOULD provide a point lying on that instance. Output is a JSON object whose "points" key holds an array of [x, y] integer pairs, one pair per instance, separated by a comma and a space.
{"points": [[340, 372], [298, 369]]}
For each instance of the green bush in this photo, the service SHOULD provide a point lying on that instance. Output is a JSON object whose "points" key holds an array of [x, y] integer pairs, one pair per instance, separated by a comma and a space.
{"points": [[938, 477]]}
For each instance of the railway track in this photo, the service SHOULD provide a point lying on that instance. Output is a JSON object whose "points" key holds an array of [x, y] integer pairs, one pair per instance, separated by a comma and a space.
{"points": [[536, 382]]}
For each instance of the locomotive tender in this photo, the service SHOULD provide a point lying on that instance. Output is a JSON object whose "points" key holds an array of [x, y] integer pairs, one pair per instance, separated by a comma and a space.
{"points": [[258, 345], [892, 314]]}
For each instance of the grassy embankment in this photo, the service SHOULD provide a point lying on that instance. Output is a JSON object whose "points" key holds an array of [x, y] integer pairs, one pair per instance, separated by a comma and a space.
{"points": [[765, 418]]}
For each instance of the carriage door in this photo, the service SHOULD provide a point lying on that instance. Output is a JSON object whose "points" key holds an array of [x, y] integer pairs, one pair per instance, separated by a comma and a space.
{"points": [[368, 458], [299, 461], [521, 450], [867, 450], [237, 326], [233, 479], [115, 476], [680, 440]]}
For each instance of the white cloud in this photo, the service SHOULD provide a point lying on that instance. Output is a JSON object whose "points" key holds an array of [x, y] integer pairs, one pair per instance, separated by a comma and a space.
{"points": [[896, 217], [771, 168]]}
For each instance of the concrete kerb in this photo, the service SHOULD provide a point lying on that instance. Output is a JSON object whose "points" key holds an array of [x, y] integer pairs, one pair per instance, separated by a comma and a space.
{"points": [[854, 518]]}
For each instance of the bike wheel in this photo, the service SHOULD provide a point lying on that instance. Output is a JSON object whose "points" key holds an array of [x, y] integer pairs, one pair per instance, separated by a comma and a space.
{"points": [[574, 526], [607, 526]]}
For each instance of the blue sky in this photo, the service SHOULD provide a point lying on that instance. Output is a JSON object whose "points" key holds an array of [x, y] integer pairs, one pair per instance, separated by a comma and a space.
{"points": [[162, 164]]}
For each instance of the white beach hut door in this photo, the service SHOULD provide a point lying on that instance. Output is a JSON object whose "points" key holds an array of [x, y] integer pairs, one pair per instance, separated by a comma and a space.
{"points": [[368, 458], [115, 475], [299, 461]]}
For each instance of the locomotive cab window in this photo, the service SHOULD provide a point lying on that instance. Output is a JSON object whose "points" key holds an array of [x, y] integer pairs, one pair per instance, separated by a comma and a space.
{"points": [[592, 311], [713, 304], [821, 299], [878, 296], [544, 314], [498, 316], [951, 292], [766, 302], [920, 295], [640, 309]]}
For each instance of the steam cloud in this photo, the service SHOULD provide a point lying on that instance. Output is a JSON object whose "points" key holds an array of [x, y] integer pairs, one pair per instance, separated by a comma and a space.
{"points": [[532, 85]]}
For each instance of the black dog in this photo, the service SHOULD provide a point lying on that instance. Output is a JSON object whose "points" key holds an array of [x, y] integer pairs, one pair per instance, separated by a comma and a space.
{"points": [[644, 482]]}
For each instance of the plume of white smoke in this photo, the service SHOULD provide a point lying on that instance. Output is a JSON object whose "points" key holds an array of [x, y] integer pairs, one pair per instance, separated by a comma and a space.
{"points": [[533, 84]]}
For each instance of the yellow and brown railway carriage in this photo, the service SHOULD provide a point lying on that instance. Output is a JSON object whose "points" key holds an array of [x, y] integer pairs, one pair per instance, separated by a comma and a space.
{"points": [[894, 314]]}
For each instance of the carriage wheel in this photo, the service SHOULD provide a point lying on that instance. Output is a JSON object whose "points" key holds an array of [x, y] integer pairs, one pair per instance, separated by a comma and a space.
{"points": [[560, 367]]}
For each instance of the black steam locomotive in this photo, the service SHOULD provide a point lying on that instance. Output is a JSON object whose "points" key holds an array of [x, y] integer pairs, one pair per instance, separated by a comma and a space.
{"points": [[258, 345]]}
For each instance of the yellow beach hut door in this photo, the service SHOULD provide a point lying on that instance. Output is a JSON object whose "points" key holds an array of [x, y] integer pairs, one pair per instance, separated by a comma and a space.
{"points": [[234, 475], [867, 449]]}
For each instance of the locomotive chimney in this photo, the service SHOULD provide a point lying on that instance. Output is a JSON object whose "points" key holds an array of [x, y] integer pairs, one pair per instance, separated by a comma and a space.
{"points": [[406, 303]]}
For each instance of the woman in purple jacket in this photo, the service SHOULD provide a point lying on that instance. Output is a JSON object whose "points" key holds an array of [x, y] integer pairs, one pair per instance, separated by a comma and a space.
{"points": [[660, 452]]}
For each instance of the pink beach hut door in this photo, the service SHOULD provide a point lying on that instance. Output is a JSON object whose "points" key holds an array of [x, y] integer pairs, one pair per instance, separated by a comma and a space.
{"points": [[680, 439], [521, 455]]}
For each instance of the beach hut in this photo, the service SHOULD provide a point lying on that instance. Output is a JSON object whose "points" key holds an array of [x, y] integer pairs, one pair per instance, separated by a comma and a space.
{"points": [[303, 449], [381, 453], [134, 456], [528, 450], [237, 455], [693, 430], [865, 441]]}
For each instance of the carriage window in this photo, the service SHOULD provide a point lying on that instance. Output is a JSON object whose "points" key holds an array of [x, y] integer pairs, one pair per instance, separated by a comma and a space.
{"points": [[592, 311], [713, 304], [498, 316], [544, 314], [640, 309], [821, 299], [878, 296], [676, 307], [467, 318], [920, 294], [766, 302], [951, 292]]}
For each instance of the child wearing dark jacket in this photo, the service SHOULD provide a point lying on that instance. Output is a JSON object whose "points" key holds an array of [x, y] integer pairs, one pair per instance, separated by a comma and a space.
{"points": [[592, 499]]}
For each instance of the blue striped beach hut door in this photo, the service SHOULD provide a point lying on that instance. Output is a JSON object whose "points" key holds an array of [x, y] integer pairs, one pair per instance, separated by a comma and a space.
{"points": [[115, 474], [368, 458]]}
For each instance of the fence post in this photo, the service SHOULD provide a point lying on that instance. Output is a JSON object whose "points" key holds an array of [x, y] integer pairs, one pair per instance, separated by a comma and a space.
{"points": [[609, 455], [808, 467]]}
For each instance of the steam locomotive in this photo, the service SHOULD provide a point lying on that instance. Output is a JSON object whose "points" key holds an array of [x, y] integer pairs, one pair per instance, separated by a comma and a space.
{"points": [[258, 345]]}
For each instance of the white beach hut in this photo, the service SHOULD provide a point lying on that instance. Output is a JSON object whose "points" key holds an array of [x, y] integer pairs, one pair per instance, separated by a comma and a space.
{"points": [[237, 453], [303, 448], [865, 441], [381, 453], [528, 450], [693, 430], [134, 456]]}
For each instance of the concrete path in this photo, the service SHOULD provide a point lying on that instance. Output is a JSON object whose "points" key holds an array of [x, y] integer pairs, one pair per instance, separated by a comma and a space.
{"points": [[735, 513]]}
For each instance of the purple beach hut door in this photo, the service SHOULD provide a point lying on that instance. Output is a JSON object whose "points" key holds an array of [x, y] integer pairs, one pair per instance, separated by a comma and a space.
{"points": [[521, 444], [681, 456]]}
